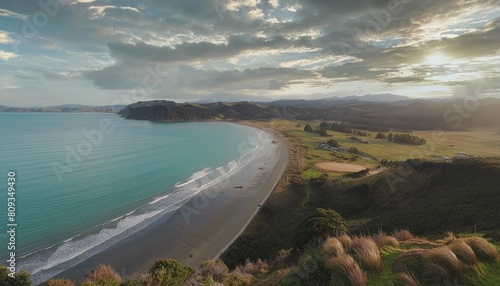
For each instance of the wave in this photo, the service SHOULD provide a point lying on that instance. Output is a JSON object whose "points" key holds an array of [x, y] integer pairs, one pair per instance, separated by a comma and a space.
{"points": [[55, 259]]}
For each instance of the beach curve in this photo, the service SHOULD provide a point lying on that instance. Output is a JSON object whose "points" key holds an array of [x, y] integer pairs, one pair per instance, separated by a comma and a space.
{"points": [[194, 233]]}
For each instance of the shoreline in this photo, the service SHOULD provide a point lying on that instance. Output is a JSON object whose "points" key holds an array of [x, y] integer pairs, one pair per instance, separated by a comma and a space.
{"points": [[194, 233]]}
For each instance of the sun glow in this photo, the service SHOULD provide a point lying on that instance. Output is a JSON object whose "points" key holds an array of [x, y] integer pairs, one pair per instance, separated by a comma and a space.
{"points": [[437, 59]]}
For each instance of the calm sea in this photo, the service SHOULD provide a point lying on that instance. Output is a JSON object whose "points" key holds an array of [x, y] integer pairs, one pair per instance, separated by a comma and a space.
{"points": [[85, 179]]}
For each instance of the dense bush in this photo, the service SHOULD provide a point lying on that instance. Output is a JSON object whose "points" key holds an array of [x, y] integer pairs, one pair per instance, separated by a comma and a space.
{"points": [[320, 225], [170, 272], [102, 275], [60, 282]]}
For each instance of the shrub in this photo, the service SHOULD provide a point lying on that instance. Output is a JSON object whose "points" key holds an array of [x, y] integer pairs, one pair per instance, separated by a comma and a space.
{"points": [[215, 270], [22, 278], [333, 143], [170, 272], [310, 268], [344, 265], [402, 234], [308, 128], [282, 258], [102, 275], [482, 248], [332, 247], [382, 239], [239, 279], [197, 280], [366, 252], [463, 251], [253, 268], [320, 225], [132, 282], [441, 264], [59, 282]]}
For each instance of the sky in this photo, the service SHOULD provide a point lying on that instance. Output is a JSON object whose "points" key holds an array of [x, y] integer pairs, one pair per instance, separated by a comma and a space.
{"points": [[101, 52]]}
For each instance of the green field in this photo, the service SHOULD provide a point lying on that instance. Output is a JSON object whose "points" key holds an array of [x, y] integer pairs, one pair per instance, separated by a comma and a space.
{"points": [[480, 142]]}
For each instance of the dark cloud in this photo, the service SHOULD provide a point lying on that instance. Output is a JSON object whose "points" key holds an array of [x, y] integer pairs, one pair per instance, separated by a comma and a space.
{"points": [[198, 51]]}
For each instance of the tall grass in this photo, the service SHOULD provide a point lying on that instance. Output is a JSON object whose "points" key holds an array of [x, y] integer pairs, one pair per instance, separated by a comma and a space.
{"points": [[366, 252], [441, 264], [482, 248], [382, 239], [402, 235], [346, 241], [409, 260], [463, 251], [345, 265], [405, 279], [332, 247]]}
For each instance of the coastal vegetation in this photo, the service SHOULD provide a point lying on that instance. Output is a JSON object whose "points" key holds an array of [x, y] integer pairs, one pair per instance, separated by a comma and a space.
{"points": [[397, 258], [427, 221]]}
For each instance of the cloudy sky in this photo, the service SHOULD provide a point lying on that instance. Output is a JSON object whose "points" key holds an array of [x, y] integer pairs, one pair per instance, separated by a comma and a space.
{"points": [[117, 52]]}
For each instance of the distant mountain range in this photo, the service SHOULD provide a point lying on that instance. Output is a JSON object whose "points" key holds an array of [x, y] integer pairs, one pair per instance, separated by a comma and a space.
{"points": [[65, 108], [406, 114], [331, 101]]}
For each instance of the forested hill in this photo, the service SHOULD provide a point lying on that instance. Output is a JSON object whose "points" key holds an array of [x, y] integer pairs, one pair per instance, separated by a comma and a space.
{"points": [[414, 114]]}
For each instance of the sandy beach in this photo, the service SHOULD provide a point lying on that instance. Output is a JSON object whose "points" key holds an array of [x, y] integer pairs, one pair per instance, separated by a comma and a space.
{"points": [[204, 227]]}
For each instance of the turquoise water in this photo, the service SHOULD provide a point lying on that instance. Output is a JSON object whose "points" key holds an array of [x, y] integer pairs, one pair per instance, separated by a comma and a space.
{"points": [[69, 186]]}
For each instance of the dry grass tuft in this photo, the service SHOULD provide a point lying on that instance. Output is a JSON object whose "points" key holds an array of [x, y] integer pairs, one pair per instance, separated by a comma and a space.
{"points": [[252, 268], [463, 251], [59, 282], [382, 239], [408, 258], [441, 264], [346, 241], [406, 279], [366, 252], [332, 247], [402, 235], [104, 274], [239, 279], [482, 248], [346, 266], [216, 270], [449, 238]]}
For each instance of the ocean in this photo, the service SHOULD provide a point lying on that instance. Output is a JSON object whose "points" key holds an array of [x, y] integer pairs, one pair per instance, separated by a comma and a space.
{"points": [[85, 181]]}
